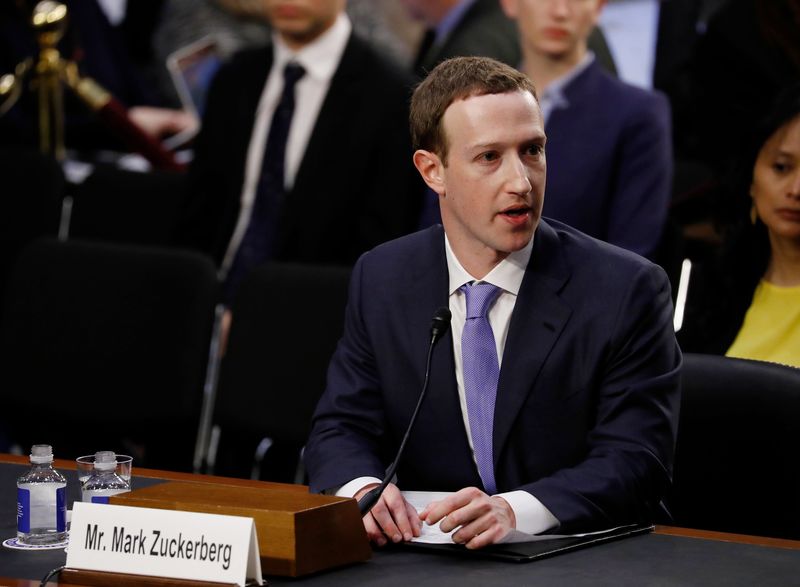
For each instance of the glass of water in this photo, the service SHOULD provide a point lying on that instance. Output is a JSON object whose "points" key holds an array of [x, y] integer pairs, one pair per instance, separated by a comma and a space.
{"points": [[85, 466]]}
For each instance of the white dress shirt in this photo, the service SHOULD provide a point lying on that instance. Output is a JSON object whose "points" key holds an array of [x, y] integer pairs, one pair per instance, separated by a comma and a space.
{"points": [[531, 515], [552, 97], [320, 59], [631, 31]]}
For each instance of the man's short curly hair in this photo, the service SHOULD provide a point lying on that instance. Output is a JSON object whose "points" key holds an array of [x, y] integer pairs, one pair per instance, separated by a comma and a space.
{"points": [[457, 79]]}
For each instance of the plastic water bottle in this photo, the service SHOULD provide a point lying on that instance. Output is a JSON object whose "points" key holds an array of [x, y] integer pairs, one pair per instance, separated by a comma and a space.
{"points": [[104, 481], [42, 500]]}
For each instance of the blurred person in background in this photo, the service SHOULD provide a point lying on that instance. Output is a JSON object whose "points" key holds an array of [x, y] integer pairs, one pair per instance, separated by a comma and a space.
{"points": [[747, 302], [333, 180], [610, 156]]}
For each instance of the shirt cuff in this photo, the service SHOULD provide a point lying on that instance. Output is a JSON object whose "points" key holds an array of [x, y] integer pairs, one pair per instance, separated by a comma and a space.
{"points": [[532, 517], [350, 488]]}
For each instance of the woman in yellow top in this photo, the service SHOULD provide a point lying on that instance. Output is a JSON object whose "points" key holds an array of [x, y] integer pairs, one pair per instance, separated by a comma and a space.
{"points": [[749, 307]]}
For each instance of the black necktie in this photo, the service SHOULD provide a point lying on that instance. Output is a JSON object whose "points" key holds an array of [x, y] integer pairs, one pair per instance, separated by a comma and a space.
{"points": [[259, 239]]}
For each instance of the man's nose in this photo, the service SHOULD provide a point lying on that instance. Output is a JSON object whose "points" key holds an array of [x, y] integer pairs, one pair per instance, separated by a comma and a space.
{"points": [[559, 8], [518, 180]]}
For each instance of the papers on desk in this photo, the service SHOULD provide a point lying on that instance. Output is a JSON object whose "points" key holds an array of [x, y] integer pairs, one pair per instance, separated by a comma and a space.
{"points": [[434, 535]]}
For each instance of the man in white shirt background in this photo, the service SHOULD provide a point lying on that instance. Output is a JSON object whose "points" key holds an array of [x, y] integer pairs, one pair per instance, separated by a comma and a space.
{"points": [[331, 178]]}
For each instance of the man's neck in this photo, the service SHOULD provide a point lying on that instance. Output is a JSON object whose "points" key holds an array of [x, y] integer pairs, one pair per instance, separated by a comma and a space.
{"points": [[296, 43], [477, 263], [545, 69]]}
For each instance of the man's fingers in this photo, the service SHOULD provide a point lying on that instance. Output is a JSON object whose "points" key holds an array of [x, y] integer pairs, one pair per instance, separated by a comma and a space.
{"points": [[437, 510], [413, 517], [383, 516], [374, 533], [393, 518], [399, 509]]}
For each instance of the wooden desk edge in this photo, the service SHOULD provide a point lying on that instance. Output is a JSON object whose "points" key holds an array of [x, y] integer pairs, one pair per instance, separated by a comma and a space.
{"points": [[66, 464], [727, 537]]}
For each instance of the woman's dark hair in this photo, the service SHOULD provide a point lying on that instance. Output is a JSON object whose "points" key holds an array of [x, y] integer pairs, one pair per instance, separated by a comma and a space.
{"points": [[746, 251]]}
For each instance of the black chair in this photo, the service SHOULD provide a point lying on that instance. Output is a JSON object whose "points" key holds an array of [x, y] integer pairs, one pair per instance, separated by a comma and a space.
{"points": [[128, 207], [736, 461], [287, 319], [105, 347], [30, 202]]}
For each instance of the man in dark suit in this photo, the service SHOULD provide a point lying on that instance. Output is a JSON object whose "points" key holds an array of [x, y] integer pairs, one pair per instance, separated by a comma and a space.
{"points": [[610, 151], [346, 180], [460, 28], [581, 370]]}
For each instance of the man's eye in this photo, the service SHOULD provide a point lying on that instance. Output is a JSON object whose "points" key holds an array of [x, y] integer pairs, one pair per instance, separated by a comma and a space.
{"points": [[488, 156], [534, 150]]}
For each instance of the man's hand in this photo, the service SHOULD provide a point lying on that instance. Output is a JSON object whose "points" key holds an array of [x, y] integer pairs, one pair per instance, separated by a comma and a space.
{"points": [[392, 518], [483, 520], [161, 122]]}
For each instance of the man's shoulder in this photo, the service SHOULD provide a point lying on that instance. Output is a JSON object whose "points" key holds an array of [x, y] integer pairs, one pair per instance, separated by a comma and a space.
{"points": [[603, 88], [590, 256], [361, 60], [484, 30], [408, 246]]}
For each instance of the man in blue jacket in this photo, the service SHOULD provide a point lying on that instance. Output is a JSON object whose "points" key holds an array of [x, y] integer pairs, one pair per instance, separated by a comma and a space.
{"points": [[553, 398]]}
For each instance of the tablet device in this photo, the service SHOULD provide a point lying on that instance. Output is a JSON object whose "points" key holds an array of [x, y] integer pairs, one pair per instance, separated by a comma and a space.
{"points": [[192, 68]]}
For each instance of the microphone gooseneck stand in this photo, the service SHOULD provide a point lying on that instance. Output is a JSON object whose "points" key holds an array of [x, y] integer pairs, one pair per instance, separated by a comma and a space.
{"points": [[439, 326]]}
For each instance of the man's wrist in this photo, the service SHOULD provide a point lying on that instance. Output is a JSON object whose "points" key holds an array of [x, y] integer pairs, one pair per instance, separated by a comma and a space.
{"points": [[351, 488], [530, 514]]}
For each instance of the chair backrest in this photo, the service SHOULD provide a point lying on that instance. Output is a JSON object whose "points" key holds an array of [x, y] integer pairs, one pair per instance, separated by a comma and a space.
{"points": [[128, 207], [30, 202], [286, 321], [105, 347], [736, 461]]}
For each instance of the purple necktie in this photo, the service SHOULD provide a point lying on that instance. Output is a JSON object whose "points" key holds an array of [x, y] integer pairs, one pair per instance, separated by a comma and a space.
{"points": [[481, 373]]}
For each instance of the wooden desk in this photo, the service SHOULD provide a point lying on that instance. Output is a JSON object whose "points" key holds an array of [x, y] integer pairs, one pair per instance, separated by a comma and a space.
{"points": [[669, 556]]}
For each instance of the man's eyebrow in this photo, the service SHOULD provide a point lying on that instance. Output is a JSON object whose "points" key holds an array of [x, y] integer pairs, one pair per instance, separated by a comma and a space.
{"points": [[534, 139]]}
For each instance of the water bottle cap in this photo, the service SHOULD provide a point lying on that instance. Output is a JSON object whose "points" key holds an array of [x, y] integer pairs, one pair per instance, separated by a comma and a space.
{"points": [[105, 460], [41, 453]]}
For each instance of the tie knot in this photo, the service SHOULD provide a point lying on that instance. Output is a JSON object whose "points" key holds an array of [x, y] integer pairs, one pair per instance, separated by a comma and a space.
{"points": [[480, 297], [292, 73]]}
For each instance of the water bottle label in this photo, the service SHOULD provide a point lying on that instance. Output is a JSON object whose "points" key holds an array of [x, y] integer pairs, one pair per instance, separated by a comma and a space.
{"points": [[61, 509], [23, 510], [99, 499]]}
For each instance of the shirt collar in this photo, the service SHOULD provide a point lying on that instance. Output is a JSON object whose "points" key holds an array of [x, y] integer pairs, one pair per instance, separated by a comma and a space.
{"points": [[451, 19], [552, 96], [507, 275], [321, 57]]}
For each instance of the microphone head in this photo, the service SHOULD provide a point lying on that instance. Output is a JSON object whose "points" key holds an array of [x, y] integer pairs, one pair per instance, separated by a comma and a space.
{"points": [[440, 323]]}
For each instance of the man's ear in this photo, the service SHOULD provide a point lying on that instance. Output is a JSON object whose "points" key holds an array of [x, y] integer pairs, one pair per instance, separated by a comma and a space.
{"points": [[431, 169]]}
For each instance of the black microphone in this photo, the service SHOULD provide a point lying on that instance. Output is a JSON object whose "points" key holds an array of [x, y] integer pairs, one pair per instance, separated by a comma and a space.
{"points": [[439, 326]]}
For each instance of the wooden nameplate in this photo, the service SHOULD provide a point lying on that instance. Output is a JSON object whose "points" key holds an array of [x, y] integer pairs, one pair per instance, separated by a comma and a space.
{"points": [[298, 532], [104, 579]]}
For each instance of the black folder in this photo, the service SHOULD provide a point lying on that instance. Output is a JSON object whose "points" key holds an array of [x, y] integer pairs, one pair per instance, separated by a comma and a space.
{"points": [[523, 552]]}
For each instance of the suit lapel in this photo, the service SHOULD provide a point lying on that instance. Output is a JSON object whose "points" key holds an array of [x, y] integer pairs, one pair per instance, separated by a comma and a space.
{"points": [[334, 122], [344, 95], [428, 284], [537, 321]]}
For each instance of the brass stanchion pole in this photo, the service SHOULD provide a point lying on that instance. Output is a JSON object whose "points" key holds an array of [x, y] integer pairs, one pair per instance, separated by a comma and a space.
{"points": [[50, 71], [49, 21]]}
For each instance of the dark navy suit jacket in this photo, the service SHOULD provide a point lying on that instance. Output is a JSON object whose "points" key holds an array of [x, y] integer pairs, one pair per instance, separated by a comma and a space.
{"points": [[609, 161], [356, 186], [588, 395]]}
